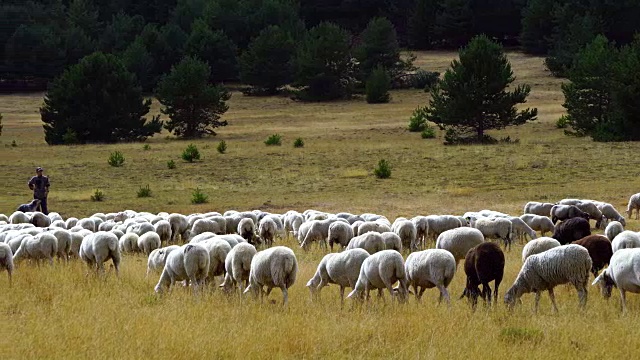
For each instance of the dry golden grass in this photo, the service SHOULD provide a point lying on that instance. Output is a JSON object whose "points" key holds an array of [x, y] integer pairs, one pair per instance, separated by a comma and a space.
{"points": [[59, 313]]}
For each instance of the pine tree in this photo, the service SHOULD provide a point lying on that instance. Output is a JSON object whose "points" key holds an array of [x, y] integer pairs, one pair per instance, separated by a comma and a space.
{"points": [[215, 48], [472, 96]]}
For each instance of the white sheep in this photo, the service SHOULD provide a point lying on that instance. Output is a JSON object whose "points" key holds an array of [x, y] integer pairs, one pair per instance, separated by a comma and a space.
{"points": [[623, 272], [179, 227], [76, 242], [538, 245], [613, 229], [458, 241], [148, 242], [190, 262], [40, 247], [372, 242], [158, 257], [342, 269], [247, 229], [129, 243], [392, 241], [238, 266], [64, 243], [380, 271], [539, 223], [610, 213], [340, 233], [437, 224], [267, 230], [521, 229], [408, 233], [6, 260], [87, 223], [376, 226], [318, 231], [203, 225], [544, 271], [420, 222], [430, 268], [273, 267], [634, 204], [19, 217], [98, 248], [70, 222], [40, 220], [292, 222], [218, 250], [538, 208], [496, 228], [163, 229], [625, 240]]}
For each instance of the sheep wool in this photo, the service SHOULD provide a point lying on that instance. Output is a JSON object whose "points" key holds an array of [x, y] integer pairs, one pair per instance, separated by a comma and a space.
{"points": [[428, 269], [273, 267]]}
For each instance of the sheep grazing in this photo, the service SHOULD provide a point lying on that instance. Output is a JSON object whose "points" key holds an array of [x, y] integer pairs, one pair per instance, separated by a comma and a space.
{"points": [[623, 272], [267, 229], [538, 223], [340, 233], [40, 220], [521, 229], [625, 240], [496, 228], [6, 260], [571, 230], [18, 218], [634, 204], [544, 271], [376, 226], [565, 212], [273, 267], [179, 227], [30, 207], [538, 208], [64, 243], [98, 248], [380, 271], [128, 243], [613, 229], [218, 250], [538, 245], [40, 247], [342, 269], [392, 241], [437, 224], [203, 225], [408, 234], [420, 222], [237, 265], [372, 242], [428, 269], [163, 229], [190, 262], [247, 229], [158, 258], [148, 242], [600, 250], [458, 241], [483, 264], [610, 213]]}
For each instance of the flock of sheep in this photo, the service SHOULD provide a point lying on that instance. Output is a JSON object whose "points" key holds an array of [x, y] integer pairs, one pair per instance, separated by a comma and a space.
{"points": [[226, 245]]}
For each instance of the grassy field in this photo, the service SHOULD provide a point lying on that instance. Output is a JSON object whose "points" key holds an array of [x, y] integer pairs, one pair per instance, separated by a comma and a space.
{"points": [[59, 313]]}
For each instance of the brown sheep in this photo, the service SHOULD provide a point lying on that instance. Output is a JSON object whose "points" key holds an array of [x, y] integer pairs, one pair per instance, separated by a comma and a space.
{"points": [[571, 230], [600, 250], [483, 263]]}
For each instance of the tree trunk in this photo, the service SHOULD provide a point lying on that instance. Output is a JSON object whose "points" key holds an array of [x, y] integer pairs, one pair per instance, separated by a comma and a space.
{"points": [[480, 132]]}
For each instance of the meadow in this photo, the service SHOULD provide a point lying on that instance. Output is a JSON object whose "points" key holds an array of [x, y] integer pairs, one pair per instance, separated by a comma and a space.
{"points": [[59, 312]]}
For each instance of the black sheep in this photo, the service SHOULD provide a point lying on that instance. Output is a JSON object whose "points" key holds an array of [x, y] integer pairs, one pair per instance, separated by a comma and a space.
{"points": [[482, 264], [571, 230], [600, 250]]}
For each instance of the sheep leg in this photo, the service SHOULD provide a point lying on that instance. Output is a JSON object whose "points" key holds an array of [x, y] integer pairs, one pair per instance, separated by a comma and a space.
{"points": [[341, 296], [444, 294], [623, 300], [537, 302], [552, 296], [285, 296]]}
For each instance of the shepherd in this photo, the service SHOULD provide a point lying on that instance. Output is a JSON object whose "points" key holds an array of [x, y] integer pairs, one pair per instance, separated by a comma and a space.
{"points": [[40, 186]]}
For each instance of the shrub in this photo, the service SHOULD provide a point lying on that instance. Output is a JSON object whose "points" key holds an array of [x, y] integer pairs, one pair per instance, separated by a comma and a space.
{"points": [[146, 147], [425, 80], [417, 121], [274, 139], [198, 197], [97, 195], [116, 159], [383, 170], [144, 191], [70, 137], [429, 132], [377, 87], [298, 143], [14, 143], [191, 153], [563, 122], [222, 147], [171, 164]]}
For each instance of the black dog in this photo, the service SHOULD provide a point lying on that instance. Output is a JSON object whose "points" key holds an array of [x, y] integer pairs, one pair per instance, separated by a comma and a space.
{"points": [[30, 207]]}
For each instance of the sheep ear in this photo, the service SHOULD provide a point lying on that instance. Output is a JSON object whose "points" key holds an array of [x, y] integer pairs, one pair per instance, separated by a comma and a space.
{"points": [[598, 278]]}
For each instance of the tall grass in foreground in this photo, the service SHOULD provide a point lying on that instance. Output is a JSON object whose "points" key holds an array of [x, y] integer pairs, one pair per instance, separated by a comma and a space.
{"points": [[58, 312]]}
